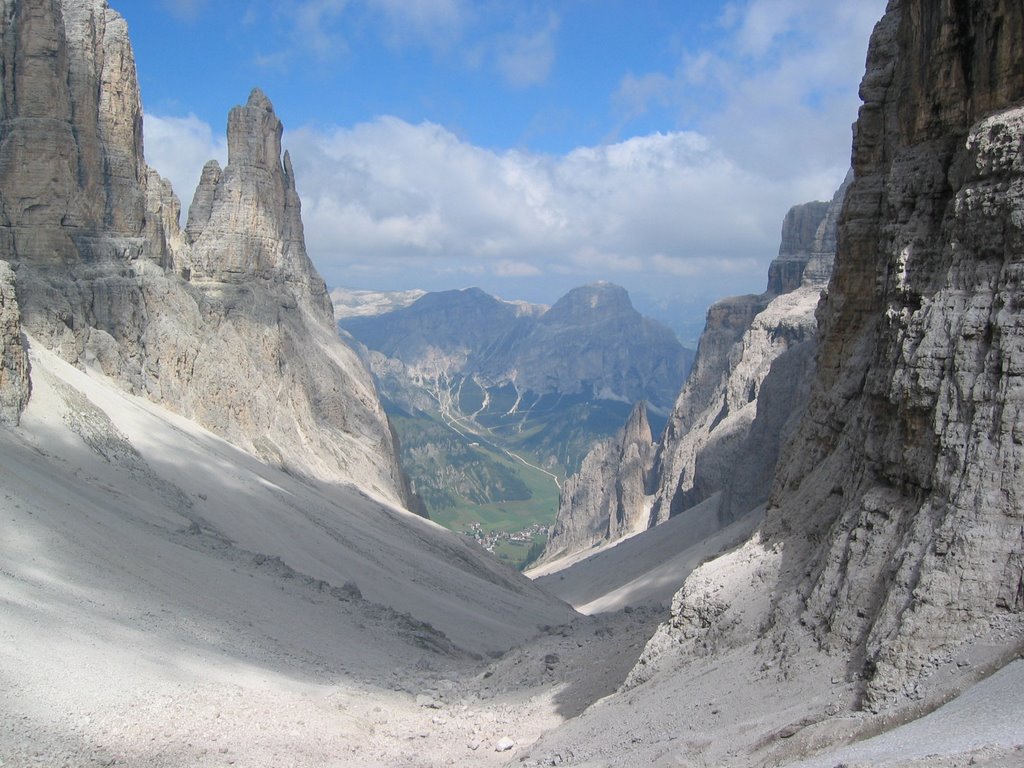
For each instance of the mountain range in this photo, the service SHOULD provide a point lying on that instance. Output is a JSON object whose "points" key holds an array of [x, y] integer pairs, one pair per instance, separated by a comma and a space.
{"points": [[472, 381]]}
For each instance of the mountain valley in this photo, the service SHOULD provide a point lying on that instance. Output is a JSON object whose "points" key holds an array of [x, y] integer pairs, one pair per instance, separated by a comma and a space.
{"points": [[209, 548], [494, 402]]}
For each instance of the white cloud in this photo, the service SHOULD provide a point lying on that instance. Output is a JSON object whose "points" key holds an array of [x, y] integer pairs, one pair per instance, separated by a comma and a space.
{"points": [[389, 201], [636, 94], [526, 59], [435, 22], [187, 10], [178, 148], [777, 93], [314, 29], [506, 268], [417, 197]]}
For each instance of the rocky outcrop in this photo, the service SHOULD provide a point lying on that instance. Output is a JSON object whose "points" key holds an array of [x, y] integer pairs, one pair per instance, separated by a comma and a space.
{"points": [[748, 385], [228, 323], [894, 538], [245, 220], [607, 499], [14, 369]]}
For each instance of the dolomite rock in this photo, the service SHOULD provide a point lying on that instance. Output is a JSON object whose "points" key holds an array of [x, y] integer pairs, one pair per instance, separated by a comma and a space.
{"points": [[606, 499], [228, 323], [14, 369], [750, 379], [202, 202], [245, 220], [897, 508], [747, 388]]}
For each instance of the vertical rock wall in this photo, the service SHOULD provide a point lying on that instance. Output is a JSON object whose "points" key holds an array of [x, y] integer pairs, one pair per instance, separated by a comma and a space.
{"points": [[895, 528], [14, 369], [909, 468], [606, 499]]}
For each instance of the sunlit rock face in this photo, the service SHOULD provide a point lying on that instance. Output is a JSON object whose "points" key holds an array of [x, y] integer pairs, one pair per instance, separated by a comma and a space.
{"points": [[895, 530], [227, 323]]}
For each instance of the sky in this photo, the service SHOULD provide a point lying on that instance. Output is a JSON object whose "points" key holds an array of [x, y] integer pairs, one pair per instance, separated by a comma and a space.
{"points": [[523, 146]]}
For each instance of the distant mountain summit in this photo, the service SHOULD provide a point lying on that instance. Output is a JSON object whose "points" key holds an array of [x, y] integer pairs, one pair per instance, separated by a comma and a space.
{"points": [[591, 342]]}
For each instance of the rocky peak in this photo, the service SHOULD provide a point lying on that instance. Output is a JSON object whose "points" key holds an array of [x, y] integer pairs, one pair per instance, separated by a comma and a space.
{"points": [[245, 219], [254, 134], [808, 244], [604, 501], [202, 201], [229, 325], [602, 299]]}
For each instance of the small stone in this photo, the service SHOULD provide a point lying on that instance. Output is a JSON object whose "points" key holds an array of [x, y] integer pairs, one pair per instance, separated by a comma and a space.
{"points": [[429, 702], [504, 745]]}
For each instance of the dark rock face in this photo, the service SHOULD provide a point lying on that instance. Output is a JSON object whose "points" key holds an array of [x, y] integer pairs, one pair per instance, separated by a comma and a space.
{"points": [[908, 464], [229, 323], [894, 537], [14, 369]]}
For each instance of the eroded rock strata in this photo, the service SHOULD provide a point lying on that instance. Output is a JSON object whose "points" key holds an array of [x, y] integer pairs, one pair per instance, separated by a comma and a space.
{"points": [[227, 323]]}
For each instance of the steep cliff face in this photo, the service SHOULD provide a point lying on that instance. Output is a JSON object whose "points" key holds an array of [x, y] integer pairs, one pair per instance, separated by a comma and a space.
{"points": [[227, 323], [748, 385], [607, 498], [14, 368], [895, 528]]}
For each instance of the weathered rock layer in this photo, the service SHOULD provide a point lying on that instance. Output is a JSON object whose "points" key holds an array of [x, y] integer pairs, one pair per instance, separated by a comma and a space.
{"points": [[14, 368], [895, 528], [227, 323]]}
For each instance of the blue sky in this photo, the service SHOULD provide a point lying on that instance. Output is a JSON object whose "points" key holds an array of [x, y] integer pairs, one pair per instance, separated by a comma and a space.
{"points": [[520, 145]]}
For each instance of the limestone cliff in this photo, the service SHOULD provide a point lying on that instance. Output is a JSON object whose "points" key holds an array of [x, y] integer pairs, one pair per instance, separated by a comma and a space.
{"points": [[14, 368], [748, 384], [227, 323], [606, 499], [894, 538]]}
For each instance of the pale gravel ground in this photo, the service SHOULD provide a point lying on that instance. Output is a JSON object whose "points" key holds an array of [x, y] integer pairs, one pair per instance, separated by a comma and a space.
{"points": [[141, 624]]}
